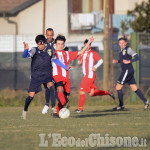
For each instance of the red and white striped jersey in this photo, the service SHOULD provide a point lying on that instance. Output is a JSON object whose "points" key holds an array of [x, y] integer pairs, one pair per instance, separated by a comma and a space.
{"points": [[65, 57], [88, 61]]}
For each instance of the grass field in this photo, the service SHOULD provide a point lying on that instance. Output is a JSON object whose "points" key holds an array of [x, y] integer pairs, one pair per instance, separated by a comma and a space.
{"points": [[16, 134]]}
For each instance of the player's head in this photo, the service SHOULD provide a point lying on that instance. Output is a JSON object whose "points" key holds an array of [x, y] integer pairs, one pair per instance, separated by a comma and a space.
{"points": [[49, 34], [122, 42], [40, 41], [85, 42], [59, 42]]}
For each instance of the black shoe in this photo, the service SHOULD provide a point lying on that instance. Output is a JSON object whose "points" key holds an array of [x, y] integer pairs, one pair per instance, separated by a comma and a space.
{"points": [[117, 108], [78, 111], [111, 94], [146, 105]]}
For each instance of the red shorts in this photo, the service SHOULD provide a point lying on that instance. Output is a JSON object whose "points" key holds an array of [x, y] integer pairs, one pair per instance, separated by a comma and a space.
{"points": [[65, 81], [87, 84]]}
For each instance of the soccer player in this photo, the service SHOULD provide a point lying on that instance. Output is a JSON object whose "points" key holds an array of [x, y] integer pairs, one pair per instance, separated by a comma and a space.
{"points": [[60, 75], [126, 57], [89, 67], [41, 68], [49, 93], [52, 93]]}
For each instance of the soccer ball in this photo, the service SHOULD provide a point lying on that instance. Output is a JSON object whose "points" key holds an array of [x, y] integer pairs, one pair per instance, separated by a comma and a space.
{"points": [[64, 113]]}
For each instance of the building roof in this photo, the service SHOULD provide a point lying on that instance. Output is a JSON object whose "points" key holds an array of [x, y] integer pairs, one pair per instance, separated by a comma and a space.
{"points": [[13, 7]]}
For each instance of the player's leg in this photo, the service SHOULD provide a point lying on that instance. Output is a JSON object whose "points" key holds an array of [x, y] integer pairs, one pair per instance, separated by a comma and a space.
{"points": [[121, 81], [81, 102], [35, 87], [51, 88], [140, 95], [27, 103], [60, 90], [120, 97], [47, 97], [67, 92], [102, 93]]}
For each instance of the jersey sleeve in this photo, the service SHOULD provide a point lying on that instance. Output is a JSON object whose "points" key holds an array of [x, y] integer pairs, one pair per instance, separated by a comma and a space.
{"points": [[73, 55], [96, 56], [131, 52], [32, 51]]}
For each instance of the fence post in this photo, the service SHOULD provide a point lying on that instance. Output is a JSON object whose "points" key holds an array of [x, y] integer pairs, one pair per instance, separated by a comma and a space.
{"points": [[135, 47]]}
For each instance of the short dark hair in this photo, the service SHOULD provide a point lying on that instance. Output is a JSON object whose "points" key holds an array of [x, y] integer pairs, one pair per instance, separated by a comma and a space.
{"points": [[60, 38], [66, 48], [49, 29], [123, 38], [40, 38], [86, 41]]}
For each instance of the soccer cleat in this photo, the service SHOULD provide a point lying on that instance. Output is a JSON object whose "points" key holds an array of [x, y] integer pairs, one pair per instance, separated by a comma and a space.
{"points": [[24, 115], [111, 94], [53, 110], [78, 111], [146, 105], [45, 109], [119, 108]]}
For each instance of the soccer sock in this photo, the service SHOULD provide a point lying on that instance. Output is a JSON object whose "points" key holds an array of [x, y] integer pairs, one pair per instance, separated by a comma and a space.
{"points": [[47, 96], [59, 106], [56, 96], [52, 96], [81, 101], [27, 103], [141, 96], [100, 93], [120, 97], [61, 98]]}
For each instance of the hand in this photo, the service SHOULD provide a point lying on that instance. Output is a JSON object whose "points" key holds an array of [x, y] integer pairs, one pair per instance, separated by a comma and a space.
{"points": [[91, 39], [93, 69], [26, 46], [114, 61], [70, 67], [126, 61]]}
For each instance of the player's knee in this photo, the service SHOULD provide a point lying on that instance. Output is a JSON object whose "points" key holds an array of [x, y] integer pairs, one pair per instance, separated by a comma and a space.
{"points": [[50, 84], [82, 93], [59, 89], [91, 94]]}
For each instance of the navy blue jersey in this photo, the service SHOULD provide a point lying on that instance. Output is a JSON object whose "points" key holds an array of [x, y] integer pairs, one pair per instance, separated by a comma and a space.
{"points": [[50, 45], [126, 53], [41, 62]]}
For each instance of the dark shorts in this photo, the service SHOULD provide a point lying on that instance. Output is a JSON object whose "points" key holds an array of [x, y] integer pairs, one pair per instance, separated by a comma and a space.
{"points": [[66, 87], [35, 84], [126, 77]]}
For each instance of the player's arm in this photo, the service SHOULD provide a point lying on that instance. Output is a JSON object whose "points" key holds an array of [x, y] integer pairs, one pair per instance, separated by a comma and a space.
{"points": [[86, 46], [26, 53], [58, 62], [135, 56], [99, 61]]}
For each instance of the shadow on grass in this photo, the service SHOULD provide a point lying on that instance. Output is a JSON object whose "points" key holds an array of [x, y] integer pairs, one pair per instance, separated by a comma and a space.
{"points": [[110, 110], [98, 115]]}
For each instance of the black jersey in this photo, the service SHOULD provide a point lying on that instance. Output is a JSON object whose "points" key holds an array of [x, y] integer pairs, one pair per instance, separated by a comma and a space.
{"points": [[41, 62]]}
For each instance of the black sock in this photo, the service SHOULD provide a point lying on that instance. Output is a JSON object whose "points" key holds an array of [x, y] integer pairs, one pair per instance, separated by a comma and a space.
{"points": [[47, 96], [56, 96], [141, 96], [120, 97], [52, 96], [27, 103]]}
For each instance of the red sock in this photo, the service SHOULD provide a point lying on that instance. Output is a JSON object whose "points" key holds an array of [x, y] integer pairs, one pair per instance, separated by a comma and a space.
{"points": [[100, 93], [59, 106], [81, 101], [61, 98]]}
